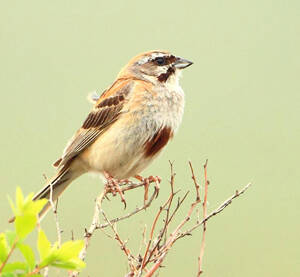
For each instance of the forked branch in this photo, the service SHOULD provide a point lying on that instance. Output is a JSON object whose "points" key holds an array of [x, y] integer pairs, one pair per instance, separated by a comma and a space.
{"points": [[160, 241]]}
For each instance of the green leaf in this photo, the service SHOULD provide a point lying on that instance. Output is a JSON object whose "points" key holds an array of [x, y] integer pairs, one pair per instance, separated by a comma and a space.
{"points": [[11, 237], [7, 274], [49, 260], [19, 199], [79, 263], [12, 205], [14, 266], [26, 206], [75, 264], [44, 245], [28, 255], [70, 250], [28, 198], [26, 275], [25, 224], [34, 207], [4, 249]]}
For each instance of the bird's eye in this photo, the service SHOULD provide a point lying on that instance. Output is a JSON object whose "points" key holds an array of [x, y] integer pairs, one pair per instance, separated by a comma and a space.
{"points": [[160, 61]]}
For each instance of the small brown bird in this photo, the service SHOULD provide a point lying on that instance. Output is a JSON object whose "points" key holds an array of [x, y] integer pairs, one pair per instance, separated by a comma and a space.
{"points": [[128, 126]]}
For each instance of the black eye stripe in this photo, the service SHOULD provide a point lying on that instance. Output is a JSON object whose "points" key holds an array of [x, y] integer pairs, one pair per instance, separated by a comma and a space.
{"points": [[164, 60]]}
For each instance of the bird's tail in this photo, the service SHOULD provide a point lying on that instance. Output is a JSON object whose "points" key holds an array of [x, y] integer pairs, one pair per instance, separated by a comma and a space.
{"points": [[53, 189]]}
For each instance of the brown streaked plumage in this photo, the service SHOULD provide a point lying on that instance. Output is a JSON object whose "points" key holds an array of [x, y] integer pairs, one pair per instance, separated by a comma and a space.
{"points": [[129, 125]]}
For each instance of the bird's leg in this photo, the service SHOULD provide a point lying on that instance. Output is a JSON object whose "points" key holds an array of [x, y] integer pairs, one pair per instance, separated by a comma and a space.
{"points": [[113, 185], [147, 181], [109, 184]]}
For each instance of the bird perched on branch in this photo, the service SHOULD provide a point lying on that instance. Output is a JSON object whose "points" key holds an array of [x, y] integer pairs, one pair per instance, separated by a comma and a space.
{"points": [[129, 125]]}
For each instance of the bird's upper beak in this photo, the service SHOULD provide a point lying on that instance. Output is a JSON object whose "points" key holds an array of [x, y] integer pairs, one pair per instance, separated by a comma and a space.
{"points": [[181, 63]]}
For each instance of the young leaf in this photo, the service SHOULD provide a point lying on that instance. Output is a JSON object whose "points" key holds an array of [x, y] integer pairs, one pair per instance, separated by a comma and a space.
{"points": [[19, 199], [34, 207], [28, 255], [25, 224], [8, 274], [44, 245], [12, 205], [3, 248], [28, 198], [50, 259], [70, 250], [14, 266], [75, 264], [11, 237]]}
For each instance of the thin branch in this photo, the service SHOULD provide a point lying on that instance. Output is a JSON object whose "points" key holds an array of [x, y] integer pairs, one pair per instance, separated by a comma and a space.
{"points": [[9, 253], [124, 186], [121, 243], [159, 242], [169, 200], [156, 265], [176, 234], [93, 226], [215, 212], [137, 210], [195, 182], [46, 271], [54, 209], [167, 220], [202, 247]]}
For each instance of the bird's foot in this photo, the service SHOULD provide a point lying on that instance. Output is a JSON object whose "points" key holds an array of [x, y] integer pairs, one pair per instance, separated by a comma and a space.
{"points": [[147, 181], [113, 186]]}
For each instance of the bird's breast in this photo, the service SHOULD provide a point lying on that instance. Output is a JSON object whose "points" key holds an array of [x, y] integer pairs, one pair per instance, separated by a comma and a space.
{"points": [[158, 108]]}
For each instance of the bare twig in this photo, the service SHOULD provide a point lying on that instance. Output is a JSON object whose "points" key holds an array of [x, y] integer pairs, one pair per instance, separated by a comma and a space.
{"points": [[167, 203], [95, 223], [88, 233], [123, 186], [195, 182], [137, 210], [46, 271], [159, 242], [54, 209], [204, 204], [215, 212], [160, 252], [121, 243]]}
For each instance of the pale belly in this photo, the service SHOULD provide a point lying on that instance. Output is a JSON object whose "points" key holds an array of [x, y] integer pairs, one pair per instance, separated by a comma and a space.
{"points": [[119, 151]]}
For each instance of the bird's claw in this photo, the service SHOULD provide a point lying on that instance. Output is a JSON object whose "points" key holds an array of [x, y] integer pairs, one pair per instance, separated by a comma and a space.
{"points": [[112, 185], [147, 181]]}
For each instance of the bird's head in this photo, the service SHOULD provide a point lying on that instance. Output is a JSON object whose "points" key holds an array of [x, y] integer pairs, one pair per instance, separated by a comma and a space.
{"points": [[155, 66]]}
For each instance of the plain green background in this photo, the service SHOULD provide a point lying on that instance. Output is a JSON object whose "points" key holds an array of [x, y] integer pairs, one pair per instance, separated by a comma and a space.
{"points": [[242, 113]]}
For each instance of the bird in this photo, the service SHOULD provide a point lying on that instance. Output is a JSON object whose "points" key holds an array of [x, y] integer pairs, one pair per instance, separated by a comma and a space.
{"points": [[128, 126]]}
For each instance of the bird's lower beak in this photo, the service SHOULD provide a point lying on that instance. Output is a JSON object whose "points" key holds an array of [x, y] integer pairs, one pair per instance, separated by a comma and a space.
{"points": [[181, 63]]}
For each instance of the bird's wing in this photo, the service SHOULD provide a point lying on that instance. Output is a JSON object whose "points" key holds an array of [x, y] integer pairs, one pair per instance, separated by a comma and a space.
{"points": [[106, 111]]}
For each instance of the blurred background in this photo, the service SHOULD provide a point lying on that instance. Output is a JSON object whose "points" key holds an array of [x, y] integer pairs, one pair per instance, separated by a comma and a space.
{"points": [[242, 114]]}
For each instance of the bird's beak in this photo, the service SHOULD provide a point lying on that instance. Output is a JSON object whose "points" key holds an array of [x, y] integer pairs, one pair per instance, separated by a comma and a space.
{"points": [[181, 63]]}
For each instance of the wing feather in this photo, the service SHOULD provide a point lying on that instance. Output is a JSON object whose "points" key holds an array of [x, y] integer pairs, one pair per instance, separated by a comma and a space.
{"points": [[107, 110]]}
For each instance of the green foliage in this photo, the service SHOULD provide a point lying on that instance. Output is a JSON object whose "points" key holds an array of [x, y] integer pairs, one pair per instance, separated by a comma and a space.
{"points": [[26, 218]]}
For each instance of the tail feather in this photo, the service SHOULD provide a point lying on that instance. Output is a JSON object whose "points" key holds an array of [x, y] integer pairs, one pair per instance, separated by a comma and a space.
{"points": [[53, 189], [55, 182]]}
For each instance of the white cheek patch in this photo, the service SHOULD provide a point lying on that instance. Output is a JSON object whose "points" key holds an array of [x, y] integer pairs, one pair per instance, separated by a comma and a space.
{"points": [[161, 69]]}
